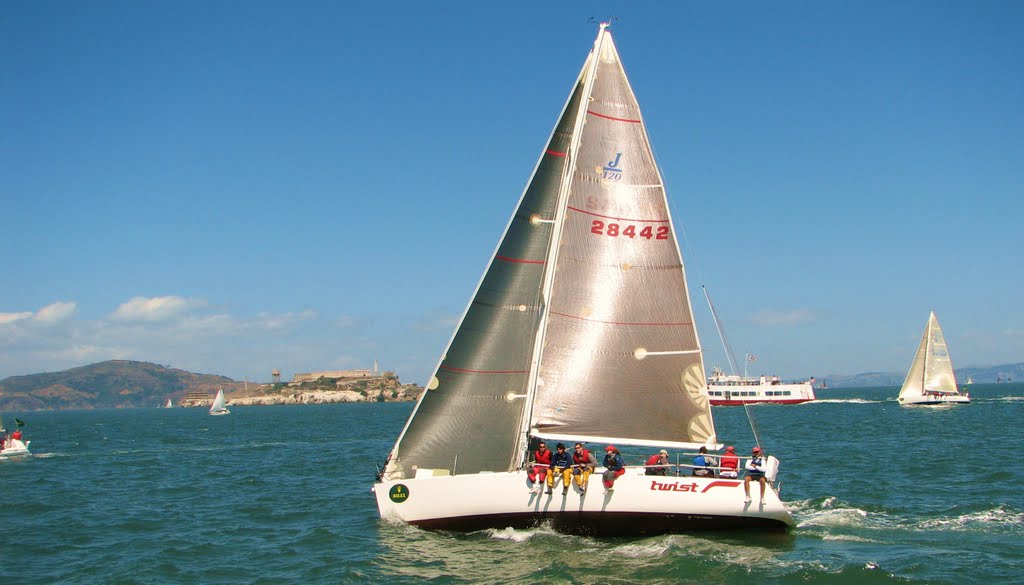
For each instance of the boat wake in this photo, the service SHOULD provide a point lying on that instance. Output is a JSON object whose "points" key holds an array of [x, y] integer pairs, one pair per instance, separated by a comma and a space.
{"points": [[521, 534], [831, 514], [998, 519], [828, 513]]}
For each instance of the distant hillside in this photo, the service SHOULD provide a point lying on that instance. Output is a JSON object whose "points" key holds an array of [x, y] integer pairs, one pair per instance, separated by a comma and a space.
{"points": [[985, 375], [129, 384], [111, 384]]}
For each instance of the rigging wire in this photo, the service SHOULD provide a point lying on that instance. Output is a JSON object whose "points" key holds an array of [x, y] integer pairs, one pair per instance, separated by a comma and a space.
{"points": [[700, 278]]}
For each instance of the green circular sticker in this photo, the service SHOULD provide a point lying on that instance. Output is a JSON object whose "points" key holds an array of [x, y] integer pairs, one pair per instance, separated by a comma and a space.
{"points": [[399, 493]]}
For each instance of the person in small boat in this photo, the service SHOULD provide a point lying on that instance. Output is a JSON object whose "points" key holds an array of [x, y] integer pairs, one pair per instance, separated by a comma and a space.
{"points": [[16, 434], [656, 463], [561, 465], [542, 462], [583, 464], [613, 467], [755, 472], [730, 463], [704, 464]]}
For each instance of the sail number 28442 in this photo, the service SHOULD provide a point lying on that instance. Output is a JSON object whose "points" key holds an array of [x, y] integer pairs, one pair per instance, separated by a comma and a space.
{"points": [[629, 230]]}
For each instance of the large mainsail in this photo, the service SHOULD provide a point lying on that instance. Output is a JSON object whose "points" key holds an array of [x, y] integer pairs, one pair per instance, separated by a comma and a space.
{"points": [[621, 358], [932, 370], [468, 418]]}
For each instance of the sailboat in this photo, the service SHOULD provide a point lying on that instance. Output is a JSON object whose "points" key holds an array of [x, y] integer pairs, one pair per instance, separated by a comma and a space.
{"points": [[930, 379], [169, 405], [218, 404], [12, 446], [580, 330]]}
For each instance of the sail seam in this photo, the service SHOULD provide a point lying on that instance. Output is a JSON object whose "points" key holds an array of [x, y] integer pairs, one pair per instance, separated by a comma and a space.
{"points": [[607, 117], [577, 209], [637, 323], [467, 371], [519, 260]]}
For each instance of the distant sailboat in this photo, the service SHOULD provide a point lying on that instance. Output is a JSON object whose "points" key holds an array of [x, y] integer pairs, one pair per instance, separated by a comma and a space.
{"points": [[169, 405], [930, 379], [218, 406]]}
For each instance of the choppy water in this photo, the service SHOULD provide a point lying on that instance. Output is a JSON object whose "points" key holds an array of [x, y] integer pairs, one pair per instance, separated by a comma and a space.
{"points": [[280, 494]]}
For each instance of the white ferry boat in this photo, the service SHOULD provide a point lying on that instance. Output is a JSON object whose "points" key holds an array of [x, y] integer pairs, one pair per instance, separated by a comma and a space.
{"points": [[733, 390]]}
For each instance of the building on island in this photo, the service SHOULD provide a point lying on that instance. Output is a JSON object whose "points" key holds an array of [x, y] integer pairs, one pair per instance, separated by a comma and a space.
{"points": [[346, 375]]}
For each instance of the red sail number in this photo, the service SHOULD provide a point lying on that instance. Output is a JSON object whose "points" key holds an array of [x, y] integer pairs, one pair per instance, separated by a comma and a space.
{"points": [[615, 230]]}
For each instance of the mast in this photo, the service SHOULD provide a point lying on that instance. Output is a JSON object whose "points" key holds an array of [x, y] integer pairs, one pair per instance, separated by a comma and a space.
{"points": [[556, 236]]}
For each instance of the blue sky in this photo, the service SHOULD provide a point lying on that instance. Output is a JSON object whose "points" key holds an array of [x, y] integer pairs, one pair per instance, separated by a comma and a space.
{"points": [[230, 187]]}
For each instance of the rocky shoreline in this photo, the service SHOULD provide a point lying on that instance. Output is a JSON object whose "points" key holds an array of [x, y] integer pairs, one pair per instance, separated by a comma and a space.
{"points": [[400, 393]]}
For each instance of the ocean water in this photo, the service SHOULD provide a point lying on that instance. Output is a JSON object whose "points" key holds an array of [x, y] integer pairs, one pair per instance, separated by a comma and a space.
{"points": [[280, 494]]}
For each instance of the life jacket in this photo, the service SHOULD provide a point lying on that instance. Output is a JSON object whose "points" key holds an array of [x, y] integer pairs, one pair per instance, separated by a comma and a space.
{"points": [[542, 458], [654, 460], [730, 462], [700, 460], [581, 458]]}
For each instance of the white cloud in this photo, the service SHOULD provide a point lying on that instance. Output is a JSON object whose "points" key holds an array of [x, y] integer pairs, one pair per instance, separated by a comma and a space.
{"points": [[269, 321], [787, 318], [154, 309], [6, 318], [55, 312]]}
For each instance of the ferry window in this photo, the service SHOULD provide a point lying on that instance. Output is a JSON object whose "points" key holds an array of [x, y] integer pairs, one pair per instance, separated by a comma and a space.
{"points": [[788, 392]]}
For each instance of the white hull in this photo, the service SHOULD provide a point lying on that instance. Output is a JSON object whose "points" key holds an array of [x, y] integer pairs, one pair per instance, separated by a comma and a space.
{"points": [[925, 400], [14, 448], [639, 504], [737, 395], [219, 412]]}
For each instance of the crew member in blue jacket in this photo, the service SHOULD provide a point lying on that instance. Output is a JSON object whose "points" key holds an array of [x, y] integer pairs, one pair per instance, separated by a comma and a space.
{"points": [[614, 467], [561, 464]]}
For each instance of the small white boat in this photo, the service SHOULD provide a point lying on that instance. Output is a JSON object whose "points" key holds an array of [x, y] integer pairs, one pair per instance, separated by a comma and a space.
{"points": [[930, 380], [733, 390], [169, 405], [218, 406], [13, 445]]}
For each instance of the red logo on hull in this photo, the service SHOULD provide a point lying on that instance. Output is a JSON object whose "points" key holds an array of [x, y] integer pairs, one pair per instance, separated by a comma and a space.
{"points": [[691, 487]]}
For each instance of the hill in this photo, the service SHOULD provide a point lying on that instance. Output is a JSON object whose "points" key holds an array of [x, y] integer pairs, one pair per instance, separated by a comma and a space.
{"points": [[110, 384], [131, 384], [980, 375]]}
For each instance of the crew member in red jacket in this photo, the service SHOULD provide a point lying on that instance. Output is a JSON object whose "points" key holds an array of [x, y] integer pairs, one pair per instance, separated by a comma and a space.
{"points": [[730, 463], [539, 471]]}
